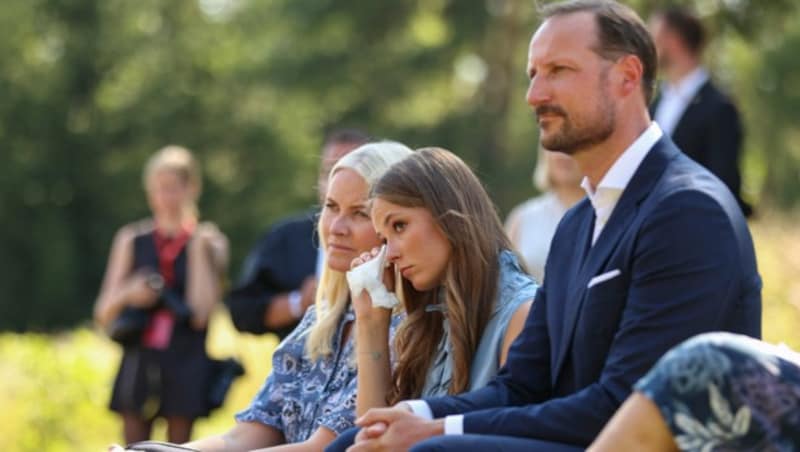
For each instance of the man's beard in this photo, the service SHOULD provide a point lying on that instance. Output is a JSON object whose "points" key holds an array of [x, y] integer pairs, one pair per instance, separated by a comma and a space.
{"points": [[571, 137]]}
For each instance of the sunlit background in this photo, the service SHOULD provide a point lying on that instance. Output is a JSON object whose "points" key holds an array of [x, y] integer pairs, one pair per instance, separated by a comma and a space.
{"points": [[89, 89]]}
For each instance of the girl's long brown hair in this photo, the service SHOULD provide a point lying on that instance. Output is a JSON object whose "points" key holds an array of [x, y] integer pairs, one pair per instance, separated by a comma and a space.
{"points": [[442, 183]]}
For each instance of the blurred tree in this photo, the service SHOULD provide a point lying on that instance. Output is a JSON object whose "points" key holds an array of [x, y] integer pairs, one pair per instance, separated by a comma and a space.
{"points": [[94, 88]]}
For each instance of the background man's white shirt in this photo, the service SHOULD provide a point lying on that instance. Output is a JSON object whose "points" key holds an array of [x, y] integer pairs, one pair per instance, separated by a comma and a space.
{"points": [[675, 99]]}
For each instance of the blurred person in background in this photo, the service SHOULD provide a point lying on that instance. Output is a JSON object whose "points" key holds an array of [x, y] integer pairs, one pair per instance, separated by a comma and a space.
{"points": [[531, 225], [164, 277], [701, 120], [279, 276]]}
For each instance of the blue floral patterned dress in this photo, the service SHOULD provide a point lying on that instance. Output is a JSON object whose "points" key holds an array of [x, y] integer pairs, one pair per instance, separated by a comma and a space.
{"points": [[301, 395], [725, 392]]}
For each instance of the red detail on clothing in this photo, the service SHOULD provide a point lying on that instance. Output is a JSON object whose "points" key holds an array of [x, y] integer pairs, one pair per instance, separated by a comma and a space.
{"points": [[158, 333], [168, 249]]}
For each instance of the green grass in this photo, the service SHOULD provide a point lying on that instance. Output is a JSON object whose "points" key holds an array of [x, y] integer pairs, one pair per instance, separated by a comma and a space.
{"points": [[56, 387], [777, 242]]}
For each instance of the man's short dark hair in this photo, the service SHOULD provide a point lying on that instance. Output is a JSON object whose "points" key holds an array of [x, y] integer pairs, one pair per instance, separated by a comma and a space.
{"points": [[620, 31], [686, 25], [346, 135]]}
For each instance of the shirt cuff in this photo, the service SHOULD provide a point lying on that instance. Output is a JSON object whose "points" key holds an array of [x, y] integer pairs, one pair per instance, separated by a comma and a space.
{"points": [[296, 304], [454, 424], [420, 408]]}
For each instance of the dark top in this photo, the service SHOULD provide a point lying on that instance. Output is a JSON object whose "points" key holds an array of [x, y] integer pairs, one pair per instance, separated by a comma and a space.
{"points": [[165, 382], [284, 257]]}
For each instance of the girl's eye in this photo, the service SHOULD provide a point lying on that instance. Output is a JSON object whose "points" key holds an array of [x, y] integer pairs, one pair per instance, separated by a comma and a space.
{"points": [[398, 226], [363, 214]]}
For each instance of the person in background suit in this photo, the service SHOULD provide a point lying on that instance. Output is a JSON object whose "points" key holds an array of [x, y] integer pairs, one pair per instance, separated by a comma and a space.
{"points": [[702, 121], [278, 278], [658, 252]]}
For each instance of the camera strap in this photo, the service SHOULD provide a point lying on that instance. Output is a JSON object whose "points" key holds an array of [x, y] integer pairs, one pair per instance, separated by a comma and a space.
{"points": [[159, 329], [168, 249]]}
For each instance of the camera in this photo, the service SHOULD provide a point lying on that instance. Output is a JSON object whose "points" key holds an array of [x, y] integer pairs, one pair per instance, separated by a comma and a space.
{"points": [[128, 327], [221, 376]]}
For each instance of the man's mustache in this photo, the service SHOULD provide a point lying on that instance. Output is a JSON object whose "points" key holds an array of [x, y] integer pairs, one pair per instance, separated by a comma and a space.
{"points": [[550, 109]]}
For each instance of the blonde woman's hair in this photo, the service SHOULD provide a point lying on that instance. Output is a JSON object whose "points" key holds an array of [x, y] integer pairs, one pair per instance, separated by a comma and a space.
{"points": [[369, 161], [180, 161]]}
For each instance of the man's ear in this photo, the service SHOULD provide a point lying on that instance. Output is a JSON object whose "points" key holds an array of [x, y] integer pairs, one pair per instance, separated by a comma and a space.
{"points": [[630, 72]]}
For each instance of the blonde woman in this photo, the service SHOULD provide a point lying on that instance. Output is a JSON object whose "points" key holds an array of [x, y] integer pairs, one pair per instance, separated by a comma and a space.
{"points": [[162, 281], [310, 396]]}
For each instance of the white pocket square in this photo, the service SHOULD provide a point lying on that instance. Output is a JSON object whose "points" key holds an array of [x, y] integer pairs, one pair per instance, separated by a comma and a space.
{"points": [[603, 277]]}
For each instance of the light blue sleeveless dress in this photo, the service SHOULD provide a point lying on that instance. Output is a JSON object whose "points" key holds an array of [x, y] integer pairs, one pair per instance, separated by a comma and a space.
{"points": [[514, 288]]}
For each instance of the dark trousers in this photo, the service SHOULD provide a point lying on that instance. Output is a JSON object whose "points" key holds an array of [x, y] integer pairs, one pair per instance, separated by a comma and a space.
{"points": [[465, 443], [489, 443]]}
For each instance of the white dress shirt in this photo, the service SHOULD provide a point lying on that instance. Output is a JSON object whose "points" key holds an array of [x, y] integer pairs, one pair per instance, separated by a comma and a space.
{"points": [[675, 99], [603, 200]]}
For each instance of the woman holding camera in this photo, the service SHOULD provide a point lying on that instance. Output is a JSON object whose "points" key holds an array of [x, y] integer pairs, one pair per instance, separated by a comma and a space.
{"points": [[163, 278]]}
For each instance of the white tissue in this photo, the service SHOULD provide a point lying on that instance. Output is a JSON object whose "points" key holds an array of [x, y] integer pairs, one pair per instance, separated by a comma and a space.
{"points": [[369, 276]]}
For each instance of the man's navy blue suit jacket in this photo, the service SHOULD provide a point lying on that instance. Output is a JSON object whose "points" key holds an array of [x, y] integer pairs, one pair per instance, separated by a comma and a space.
{"points": [[686, 266]]}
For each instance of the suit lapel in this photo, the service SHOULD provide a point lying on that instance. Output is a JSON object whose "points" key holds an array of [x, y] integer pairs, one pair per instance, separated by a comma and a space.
{"points": [[610, 237], [584, 238]]}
